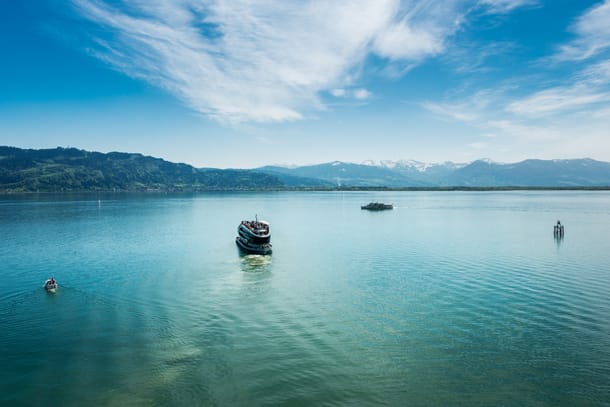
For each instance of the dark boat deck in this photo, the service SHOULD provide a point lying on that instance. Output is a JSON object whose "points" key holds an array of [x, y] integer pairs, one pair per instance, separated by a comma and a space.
{"points": [[377, 206]]}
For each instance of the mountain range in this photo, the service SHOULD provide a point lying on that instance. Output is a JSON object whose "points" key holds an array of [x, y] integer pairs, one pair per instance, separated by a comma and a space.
{"points": [[70, 169], [481, 173]]}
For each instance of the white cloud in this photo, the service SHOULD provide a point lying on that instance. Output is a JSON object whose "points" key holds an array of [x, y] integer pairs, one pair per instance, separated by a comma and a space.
{"points": [[265, 62], [359, 94], [505, 6], [458, 112], [245, 60], [581, 97], [519, 130], [553, 114], [555, 100], [362, 94], [592, 31], [401, 41], [338, 93], [420, 29], [597, 74], [560, 122], [470, 109], [587, 89]]}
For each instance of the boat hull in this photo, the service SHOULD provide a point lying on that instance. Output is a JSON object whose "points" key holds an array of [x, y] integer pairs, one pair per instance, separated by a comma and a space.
{"points": [[252, 248], [377, 206]]}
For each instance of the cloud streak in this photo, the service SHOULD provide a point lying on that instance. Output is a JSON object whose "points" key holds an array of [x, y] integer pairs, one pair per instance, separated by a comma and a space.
{"points": [[506, 6], [592, 30], [239, 61], [555, 100], [589, 88], [268, 61], [567, 112]]}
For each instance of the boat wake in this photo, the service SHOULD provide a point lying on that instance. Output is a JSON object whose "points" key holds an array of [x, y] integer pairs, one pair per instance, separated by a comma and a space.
{"points": [[255, 263]]}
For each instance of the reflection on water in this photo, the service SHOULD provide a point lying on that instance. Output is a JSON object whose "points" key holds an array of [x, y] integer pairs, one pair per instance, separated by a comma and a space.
{"points": [[255, 263], [455, 299], [559, 239]]}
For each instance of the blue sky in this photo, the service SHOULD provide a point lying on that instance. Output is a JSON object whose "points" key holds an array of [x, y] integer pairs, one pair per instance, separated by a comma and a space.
{"points": [[245, 83]]}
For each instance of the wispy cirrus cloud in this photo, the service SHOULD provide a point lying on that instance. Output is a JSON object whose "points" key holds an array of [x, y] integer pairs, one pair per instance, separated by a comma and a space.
{"points": [[418, 30], [501, 133], [235, 61], [561, 107], [505, 6], [266, 61], [558, 99], [586, 92], [588, 88], [472, 108], [473, 57], [592, 31], [461, 111], [555, 119]]}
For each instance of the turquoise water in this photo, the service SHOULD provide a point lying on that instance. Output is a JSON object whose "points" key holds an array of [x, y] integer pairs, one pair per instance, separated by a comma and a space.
{"points": [[452, 298]]}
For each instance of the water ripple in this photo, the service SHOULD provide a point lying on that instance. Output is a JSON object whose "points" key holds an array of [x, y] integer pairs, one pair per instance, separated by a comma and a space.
{"points": [[450, 299]]}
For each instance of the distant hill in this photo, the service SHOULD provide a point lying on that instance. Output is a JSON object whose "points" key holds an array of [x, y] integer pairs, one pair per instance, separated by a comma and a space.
{"points": [[533, 173], [427, 174], [70, 169], [481, 173], [341, 174], [295, 181]]}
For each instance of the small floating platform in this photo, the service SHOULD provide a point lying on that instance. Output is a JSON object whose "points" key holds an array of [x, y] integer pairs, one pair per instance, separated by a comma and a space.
{"points": [[377, 206]]}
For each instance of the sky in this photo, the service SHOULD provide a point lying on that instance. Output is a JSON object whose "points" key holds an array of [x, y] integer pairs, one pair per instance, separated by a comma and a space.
{"points": [[247, 83]]}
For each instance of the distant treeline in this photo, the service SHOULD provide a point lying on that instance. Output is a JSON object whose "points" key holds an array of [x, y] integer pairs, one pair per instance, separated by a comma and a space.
{"points": [[73, 170]]}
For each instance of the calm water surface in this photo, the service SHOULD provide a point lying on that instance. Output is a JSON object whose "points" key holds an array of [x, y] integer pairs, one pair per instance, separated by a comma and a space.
{"points": [[452, 298]]}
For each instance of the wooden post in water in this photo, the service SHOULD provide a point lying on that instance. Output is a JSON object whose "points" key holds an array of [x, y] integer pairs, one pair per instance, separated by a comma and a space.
{"points": [[558, 230]]}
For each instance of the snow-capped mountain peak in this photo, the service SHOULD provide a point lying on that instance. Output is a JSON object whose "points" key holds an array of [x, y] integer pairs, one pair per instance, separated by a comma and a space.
{"points": [[411, 165]]}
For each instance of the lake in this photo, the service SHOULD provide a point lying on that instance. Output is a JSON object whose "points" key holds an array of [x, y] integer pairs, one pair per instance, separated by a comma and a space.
{"points": [[451, 298]]}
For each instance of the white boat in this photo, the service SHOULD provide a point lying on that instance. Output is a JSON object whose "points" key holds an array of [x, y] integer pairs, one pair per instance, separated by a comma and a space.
{"points": [[51, 285]]}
